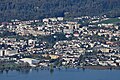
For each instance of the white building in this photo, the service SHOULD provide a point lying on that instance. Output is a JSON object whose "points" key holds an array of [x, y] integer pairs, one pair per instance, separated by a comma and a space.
{"points": [[31, 42], [8, 52], [30, 61]]}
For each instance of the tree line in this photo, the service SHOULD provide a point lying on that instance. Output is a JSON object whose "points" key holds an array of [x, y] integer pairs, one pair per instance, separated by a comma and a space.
{"points": [[38, 9]]}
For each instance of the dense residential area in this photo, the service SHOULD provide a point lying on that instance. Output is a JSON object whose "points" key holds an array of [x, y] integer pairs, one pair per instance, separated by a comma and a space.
{"points": [[81, 42]]}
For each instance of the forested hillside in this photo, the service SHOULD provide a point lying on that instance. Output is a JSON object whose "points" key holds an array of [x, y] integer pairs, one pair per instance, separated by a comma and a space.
{"points": [[37, 9]]}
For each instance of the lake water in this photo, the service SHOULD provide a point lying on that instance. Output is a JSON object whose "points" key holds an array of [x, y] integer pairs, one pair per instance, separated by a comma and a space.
{"points": [[69, 74]]}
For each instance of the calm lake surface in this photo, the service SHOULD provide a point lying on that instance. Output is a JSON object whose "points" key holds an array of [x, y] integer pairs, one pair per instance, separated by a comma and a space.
{"points": [[69, 74]]}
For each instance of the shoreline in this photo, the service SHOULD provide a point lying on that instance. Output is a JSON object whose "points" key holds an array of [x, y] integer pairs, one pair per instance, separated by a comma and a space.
{"points": [[63, 67], [101, 67]]}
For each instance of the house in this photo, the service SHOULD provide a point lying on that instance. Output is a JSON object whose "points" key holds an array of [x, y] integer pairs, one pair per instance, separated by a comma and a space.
{"points": [[54, 56], [46, 20], [30, 41], [76, 34], [60, 18], [1, 53], [106, 50]]}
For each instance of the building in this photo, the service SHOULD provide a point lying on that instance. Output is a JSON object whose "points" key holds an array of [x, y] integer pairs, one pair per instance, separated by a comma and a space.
{"points": [[30, 61], [8, 52]]}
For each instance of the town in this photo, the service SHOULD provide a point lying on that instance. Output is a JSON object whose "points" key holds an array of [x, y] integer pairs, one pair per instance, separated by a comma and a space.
{"points": [[82, 42]]}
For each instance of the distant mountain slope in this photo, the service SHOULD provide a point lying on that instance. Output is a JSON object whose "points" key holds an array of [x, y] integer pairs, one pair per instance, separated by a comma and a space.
{"points": [[36, 9]]}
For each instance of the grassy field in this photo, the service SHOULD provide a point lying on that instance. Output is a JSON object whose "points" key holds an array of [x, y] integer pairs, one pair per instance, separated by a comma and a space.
{"points": [[111, 20]]}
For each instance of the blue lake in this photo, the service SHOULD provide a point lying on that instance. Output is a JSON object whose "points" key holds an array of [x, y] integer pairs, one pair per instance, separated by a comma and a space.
{"points": [[69, 74]]}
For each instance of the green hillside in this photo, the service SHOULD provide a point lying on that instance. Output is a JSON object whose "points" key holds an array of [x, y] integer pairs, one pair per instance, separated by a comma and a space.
{"points": [[37, 9]]}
